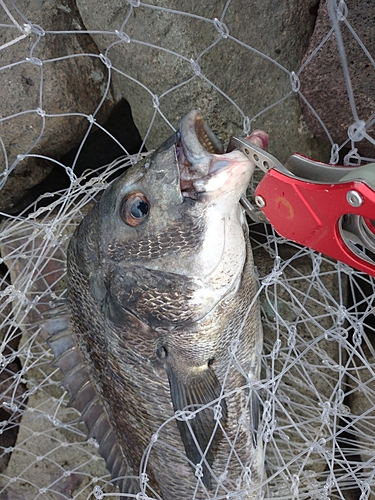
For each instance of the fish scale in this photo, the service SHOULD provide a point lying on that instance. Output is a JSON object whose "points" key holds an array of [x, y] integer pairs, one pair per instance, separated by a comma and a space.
{"points": [[158, 244], [149, 346]]}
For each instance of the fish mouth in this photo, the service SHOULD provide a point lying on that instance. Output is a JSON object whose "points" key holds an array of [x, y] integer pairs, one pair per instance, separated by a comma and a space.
{"points": [[196, 144], [204, 166]]}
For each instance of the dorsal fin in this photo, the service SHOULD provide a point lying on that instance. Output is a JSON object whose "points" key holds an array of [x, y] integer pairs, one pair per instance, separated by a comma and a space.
{"points": [[85, 399]]}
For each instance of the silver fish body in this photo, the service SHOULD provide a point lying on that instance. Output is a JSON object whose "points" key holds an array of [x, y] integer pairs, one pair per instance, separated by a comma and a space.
{"points": [[161, 298]]}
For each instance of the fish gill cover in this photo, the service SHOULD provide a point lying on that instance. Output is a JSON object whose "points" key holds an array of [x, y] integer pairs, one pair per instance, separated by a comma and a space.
{"points": [[301, 71]]}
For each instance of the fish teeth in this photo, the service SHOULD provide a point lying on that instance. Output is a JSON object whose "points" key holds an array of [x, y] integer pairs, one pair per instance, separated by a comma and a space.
{"points": [[206, 143]]}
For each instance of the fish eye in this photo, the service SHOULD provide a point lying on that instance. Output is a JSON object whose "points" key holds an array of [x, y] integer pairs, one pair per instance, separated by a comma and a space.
{"points": [[135, 209]]}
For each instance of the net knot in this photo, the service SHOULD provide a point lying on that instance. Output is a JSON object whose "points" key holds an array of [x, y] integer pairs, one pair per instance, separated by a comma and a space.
{"points": [[292, 336], [326, 412], [134, 3], [267, 411], [3, 361], [105, 60], [340, 396], [154, 438], [93, 442], [199, 471], [184, 416], [144, 479], [357, 335], [196, 67], [221, 28], [41, 112], [72, 176], [274, 275], [330, 481], [218, 412], [26, 29], [155, 101], [34, 60], [357, 131], [36, 29], [365, 490], [295, 82], [246, 125], [341, 10], [91, 119], [123, 36], [294, 485], [342, 315], [269, 429], [334, 159], [223, 476], [98, 492], [276, 349], [317, 261]]}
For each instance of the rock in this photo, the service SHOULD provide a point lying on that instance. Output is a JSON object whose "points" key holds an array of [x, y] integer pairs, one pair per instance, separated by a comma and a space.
{"points": [[166, 63], [33, 91], [322, 81]]}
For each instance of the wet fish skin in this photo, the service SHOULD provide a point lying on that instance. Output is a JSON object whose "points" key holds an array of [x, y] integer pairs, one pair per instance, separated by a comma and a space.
{"points": [[155, 309]]}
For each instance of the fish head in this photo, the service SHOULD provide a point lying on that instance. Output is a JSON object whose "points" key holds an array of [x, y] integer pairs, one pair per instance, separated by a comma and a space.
{"points": [[190, 165], [171, 228]]}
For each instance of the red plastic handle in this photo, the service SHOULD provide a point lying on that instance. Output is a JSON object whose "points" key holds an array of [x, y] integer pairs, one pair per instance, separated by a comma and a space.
{"points": [[309, 213]]}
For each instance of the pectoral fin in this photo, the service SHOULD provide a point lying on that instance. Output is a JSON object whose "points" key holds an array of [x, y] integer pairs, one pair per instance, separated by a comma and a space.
{"points": [[191, 395]]}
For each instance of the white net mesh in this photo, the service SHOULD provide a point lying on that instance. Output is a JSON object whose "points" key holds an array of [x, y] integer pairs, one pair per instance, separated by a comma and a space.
{"points": [[318, 380]]}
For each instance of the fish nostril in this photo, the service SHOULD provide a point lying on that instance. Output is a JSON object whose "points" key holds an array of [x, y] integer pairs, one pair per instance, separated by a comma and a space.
{"points": [[211, 362], [161, 352]]}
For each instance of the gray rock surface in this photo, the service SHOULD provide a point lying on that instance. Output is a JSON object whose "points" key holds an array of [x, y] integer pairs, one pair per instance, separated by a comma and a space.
{"points": [[322, 81], [71, 85], [221, 66]]}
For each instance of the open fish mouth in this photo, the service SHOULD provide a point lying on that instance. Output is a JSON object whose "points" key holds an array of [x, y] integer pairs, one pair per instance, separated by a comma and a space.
{"points": [[203, 164], [195, 147]]}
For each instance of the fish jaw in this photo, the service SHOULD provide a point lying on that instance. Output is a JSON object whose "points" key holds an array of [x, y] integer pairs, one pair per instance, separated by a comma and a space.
{"points": [[228, 173], [205, 170]]}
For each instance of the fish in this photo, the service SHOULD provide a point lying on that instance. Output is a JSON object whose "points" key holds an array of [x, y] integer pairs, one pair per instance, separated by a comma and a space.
{"points": [[161, 354]]}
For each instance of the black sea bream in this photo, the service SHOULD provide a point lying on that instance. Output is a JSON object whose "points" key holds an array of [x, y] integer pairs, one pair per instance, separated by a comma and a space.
{"points": [[161, 283]]}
